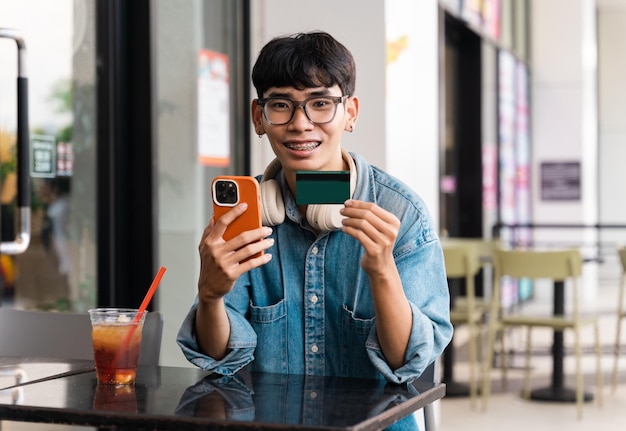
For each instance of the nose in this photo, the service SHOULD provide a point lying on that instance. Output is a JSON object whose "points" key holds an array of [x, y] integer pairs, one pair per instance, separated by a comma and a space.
{"points": [[300, 118]]}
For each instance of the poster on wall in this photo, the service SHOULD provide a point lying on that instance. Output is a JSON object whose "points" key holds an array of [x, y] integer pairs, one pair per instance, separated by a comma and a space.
{"points": [[507, 165], [491, 18], [213, 109], [506, 136], [490, 177], [523, 236], [522, 153]]}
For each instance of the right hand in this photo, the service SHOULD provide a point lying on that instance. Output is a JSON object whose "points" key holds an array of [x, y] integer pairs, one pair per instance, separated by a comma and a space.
{"points": [[222, 262]]}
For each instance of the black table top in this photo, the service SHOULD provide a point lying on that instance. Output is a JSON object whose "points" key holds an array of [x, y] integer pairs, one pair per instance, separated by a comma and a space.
{"points": [[14, 371], [178, 398]]}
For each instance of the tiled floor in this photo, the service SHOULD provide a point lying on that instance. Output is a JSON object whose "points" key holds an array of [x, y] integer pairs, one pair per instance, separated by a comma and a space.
{"points": [[507, 410]]}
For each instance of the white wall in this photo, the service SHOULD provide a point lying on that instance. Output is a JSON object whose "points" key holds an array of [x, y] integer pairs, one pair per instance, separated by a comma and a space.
{"points": [[412, 108]]}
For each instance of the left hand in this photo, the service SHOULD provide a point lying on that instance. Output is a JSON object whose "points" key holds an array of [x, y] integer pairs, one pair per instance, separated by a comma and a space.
{"points": [[376, 229]]}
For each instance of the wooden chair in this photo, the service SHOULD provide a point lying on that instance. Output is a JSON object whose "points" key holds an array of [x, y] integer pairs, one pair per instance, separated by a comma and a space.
{"points": [[58, 335], [621, 314], [461, 260], [557, 266]]}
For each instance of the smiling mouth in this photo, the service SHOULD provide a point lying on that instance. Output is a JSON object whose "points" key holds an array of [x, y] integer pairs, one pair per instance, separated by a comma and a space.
{"points": [[302, 146]]}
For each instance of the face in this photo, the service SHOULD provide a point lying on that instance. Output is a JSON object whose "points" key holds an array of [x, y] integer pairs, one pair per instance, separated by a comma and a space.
{"points": [[300, 144]]}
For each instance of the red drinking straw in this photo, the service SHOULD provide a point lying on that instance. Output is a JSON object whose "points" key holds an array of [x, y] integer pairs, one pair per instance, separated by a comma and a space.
{"points": [[142, 308], [150, 294]]}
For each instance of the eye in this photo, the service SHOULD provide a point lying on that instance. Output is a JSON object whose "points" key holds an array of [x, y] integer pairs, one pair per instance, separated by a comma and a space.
{"points": [[320, 103], [279, 104]]}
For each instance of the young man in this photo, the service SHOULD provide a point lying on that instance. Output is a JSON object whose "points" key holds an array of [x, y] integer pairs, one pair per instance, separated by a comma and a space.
{"points": [[364, 297]]}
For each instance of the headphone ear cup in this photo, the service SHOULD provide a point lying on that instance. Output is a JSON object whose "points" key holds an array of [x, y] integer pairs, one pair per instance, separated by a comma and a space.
{"points": [[272, 205], [325, 217]]}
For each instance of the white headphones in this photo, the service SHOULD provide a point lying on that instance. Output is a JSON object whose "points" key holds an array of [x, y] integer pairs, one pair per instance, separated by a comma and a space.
{"points": [[325, 217]]}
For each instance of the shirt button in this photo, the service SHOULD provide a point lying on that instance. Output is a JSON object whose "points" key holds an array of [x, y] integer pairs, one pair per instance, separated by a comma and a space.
{"points": [[314, 250], [314, 348], [313, 394], [314, 299]]}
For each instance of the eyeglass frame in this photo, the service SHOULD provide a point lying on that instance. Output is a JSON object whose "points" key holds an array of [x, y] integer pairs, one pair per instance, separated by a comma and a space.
{"points": [[335, 99]]}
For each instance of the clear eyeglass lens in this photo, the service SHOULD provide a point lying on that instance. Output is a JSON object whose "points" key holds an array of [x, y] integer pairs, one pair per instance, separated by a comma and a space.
{"points": [[318, 109]]}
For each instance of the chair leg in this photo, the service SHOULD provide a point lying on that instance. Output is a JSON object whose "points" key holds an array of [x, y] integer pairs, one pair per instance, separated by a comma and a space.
{"points": [[472, 363], [487, 368], [599, 379], [616, 354], [479, 347], [579, 374], [504, 359], [526, 393], [430, 424], [620, 316]]}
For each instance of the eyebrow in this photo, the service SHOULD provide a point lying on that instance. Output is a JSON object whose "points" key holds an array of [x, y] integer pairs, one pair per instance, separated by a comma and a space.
{"points": [[321, 92]]}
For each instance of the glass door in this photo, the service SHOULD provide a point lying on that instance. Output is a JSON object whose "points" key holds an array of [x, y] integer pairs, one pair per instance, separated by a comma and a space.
{"points": [[58, 269], [202, 130]]}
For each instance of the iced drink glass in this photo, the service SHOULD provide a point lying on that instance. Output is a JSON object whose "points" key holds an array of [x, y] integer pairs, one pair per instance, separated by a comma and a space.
{"points": [[116, 335]]}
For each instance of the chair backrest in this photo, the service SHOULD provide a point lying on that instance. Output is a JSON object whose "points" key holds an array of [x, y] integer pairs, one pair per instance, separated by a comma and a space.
{"points": [[461, 259], [484, 247], [622, 256], [557, 265], [554, 264], [59, 335]]}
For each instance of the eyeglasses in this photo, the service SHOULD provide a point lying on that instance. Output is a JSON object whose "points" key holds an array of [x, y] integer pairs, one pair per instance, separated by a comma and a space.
{"points": [[318, 109]]}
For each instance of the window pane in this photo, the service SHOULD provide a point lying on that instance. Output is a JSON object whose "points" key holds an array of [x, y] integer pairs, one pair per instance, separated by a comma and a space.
{"points": [[58, 270]]}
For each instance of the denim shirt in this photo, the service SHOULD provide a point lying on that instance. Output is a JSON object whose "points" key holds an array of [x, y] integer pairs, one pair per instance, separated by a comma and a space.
{"points": [[310, 310]]}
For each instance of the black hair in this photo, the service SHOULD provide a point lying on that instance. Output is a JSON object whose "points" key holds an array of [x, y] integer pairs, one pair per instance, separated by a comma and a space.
{"points": [[304, 60]]}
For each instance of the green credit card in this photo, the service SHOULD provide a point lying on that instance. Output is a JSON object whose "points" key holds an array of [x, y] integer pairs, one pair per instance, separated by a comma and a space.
{"points": [[322, 187]]}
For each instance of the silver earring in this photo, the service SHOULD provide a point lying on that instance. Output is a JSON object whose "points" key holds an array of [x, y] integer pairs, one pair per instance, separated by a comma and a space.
{"points": [[260, 136]]}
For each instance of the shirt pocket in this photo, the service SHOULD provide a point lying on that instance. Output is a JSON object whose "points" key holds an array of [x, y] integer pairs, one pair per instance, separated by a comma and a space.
{"points": [[270, 324], [354, 333]]}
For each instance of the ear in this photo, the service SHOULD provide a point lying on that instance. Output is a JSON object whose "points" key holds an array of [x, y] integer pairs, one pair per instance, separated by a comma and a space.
{"points": [[257, 118], [352, 113]]}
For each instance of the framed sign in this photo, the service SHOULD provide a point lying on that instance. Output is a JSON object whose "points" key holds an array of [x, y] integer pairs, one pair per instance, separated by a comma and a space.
{"points": [[560, 181], [43, 156]]}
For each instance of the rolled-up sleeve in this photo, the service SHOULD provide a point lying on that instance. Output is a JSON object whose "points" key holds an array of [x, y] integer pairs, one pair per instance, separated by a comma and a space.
{"points": [[424, 279], [241, 344]]}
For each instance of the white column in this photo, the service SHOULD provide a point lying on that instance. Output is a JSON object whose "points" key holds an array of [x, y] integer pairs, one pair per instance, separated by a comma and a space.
{"points": [[412, 99], [564, 115]]}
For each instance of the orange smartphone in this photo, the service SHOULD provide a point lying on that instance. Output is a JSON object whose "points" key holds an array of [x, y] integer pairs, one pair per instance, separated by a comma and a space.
{"points": [[229, 191]]}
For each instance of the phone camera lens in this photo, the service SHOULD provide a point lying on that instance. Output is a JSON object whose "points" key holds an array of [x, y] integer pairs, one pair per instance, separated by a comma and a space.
{"points": [[226, 192]]}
